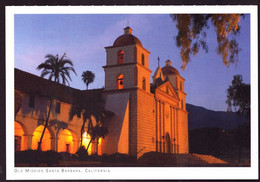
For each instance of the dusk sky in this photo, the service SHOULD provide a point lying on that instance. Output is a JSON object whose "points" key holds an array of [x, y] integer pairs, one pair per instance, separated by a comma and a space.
{"points": [[83, 38]]}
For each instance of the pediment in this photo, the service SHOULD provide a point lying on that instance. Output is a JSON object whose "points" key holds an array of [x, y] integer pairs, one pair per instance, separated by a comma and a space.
{"points": [[168, 89]]}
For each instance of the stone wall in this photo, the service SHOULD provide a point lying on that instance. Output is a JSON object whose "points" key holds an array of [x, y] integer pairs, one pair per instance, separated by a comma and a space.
{"points": [[112, 54], [145, 122], [31, 118], [133, 123], [183, 138], [139, 51], [112, 73], [141, 74]]}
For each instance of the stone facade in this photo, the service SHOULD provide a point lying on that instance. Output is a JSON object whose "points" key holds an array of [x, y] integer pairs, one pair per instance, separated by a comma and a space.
{"points": [[30, 118], [146, 116]]}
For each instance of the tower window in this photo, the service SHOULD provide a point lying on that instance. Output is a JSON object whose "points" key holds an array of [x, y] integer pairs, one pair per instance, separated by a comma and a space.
{"points": [[57, 109], [143, 59], [167, 89], [120, 81], [144, 84], [120, 57], [180, 85], [181, 103], [31, 101]]}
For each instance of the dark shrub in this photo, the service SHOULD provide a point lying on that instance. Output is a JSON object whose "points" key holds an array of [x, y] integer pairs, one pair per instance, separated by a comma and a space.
{"points": [[95, 157], [51, 157], [34, 157], [82, 153], [118, 158], [65, 156]]}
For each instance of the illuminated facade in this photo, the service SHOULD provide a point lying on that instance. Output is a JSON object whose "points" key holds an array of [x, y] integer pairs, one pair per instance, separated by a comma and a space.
{"points": [[147, 116]]}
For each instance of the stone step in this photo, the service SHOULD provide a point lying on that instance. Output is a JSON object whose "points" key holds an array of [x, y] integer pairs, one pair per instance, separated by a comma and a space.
{"points": [[162, 159]]}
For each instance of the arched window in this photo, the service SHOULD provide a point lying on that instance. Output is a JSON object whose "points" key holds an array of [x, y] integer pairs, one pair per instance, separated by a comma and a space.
{"points": [[182, 103], [120, 57], [180, 85], [144, 84], [120, 81], [143, 59]]}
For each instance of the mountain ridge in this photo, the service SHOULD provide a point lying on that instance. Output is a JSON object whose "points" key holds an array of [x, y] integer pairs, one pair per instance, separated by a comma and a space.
{"points": [[200, 117]]}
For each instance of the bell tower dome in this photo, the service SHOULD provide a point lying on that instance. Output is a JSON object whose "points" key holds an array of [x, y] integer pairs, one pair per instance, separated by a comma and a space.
{"points": [[127, 64]]}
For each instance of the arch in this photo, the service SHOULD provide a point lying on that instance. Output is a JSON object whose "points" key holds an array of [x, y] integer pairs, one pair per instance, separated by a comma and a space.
{"points": [[19, 139], [120, 57], [168, 143], [86, 139], [67, 141], [144, 84], [22, 126], [46, 141], [120, 81]]}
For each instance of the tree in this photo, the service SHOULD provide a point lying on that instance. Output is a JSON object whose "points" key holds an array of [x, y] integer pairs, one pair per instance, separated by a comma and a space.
{"points": [[192, 35], [88, 77], [238, 96], [56, 69], [92, 106]]}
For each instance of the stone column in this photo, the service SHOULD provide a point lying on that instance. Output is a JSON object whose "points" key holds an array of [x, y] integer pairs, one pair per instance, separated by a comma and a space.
{"points": [[160, 127], [156, 124], [56, 144], [163, 130], [53, 143], [174, 130], [27, 141], [177, 131], [171, 121]]}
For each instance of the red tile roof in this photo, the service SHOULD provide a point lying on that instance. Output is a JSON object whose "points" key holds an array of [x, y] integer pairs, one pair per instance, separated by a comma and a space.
{"points": [[32, 84], [169, 70], [127, 39]]}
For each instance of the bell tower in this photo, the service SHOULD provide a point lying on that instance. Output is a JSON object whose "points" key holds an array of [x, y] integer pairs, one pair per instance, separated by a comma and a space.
{"points": [[127, 64], [127, 92]]}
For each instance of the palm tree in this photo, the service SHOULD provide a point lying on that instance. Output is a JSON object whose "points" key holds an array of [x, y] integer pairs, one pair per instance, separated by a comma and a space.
{"points": [[88, 77], [92, 106], [56, 69]]}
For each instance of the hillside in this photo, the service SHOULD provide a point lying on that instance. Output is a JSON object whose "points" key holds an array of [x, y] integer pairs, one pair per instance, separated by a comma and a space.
{"points": [[200, 117]]}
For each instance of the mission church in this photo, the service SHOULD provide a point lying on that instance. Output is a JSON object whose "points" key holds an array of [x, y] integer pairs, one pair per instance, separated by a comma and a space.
{"points": [[148, 115]]}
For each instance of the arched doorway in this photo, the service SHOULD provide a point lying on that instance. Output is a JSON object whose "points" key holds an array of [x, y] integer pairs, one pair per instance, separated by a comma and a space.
{"points": [[18, 137], [66, 142], [46, 141], [168, 143]]}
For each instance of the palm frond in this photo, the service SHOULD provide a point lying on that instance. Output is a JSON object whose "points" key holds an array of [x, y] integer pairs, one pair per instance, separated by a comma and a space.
{"points": [[66, 73], [44, 73], [55, 67]]}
